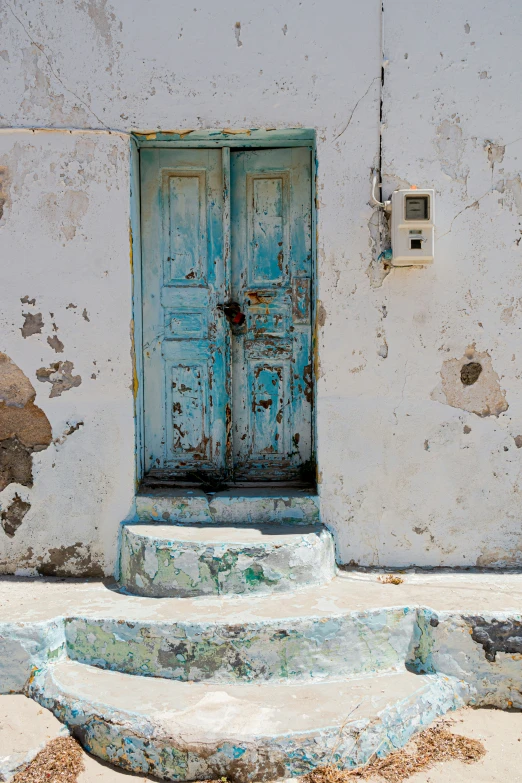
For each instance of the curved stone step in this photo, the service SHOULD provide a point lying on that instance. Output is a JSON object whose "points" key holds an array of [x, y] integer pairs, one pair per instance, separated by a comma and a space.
{"points": [[195, 731], [192, 560], [313, 637]]}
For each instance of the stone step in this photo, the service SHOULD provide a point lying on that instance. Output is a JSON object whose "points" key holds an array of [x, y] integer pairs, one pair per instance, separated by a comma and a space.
{"points": [[232, 507], [195, 731], [312, 634], [192, 560]]}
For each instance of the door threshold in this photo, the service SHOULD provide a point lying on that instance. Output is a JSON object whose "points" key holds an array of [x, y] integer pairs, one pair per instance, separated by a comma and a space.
{"points": [[211, 487], [270, 505]]}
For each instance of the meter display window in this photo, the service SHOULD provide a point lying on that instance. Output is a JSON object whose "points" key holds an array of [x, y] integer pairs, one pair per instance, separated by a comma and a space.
{"points": [[417, 207]]}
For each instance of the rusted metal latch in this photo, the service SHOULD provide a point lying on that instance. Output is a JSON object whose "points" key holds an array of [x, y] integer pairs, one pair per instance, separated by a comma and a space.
{"points": [[233, 312]]}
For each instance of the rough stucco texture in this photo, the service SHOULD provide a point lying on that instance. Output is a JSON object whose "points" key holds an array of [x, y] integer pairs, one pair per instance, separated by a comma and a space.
{"points": [[78, 442], [410, 475], [405, 476]]}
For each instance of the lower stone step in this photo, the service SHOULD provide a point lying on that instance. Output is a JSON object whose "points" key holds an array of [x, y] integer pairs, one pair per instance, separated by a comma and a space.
{"points": [[191, 560], [196, 731]]}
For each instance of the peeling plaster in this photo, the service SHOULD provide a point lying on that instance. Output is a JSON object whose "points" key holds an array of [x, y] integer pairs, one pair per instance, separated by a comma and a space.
{"points": [[66, 146], [484, 397], [321, 314], [69, 431], [156, 563], [450, 146], [237, 33], [378, 269], [4, 191], [55, 343], [33, 324], [76, 559], [42, 85], [495, 152], [514, 187], [60, 376], [65, 211]]}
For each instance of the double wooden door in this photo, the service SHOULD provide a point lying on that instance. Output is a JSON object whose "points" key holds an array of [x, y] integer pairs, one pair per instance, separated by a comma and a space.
{"points": [[227, 287]]}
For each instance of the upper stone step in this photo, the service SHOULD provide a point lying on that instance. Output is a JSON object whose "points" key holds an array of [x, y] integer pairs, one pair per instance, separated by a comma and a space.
{"points": [[196, 731], [191, 560], [233, 507]]}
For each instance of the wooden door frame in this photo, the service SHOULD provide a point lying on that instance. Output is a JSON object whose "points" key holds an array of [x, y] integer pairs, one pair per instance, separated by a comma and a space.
{"points": [[204, 139]]}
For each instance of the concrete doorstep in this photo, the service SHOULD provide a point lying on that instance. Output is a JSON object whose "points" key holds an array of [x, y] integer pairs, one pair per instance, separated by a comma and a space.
{"points": [[258, 687]]}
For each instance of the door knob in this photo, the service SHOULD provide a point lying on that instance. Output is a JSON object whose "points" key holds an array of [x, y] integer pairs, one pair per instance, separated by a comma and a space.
{"points": [[233, 312]]}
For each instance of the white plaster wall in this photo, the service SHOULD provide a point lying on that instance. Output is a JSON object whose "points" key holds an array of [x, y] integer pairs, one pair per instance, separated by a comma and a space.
{"points": [[122, 65], [417, 481], [400, 481], [64, 241]]}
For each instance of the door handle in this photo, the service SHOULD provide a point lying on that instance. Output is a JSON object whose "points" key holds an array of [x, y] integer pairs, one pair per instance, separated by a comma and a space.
{"points": [[232, 311]]}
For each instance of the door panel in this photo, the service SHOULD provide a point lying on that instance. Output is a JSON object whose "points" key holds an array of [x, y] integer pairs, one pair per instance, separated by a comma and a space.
{"points": [[271, 280], [186, 347]]}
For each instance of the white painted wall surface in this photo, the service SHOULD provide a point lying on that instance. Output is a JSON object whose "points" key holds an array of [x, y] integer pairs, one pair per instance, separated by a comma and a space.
{"points": [[400, 481], [65, 242], [420, 481]]}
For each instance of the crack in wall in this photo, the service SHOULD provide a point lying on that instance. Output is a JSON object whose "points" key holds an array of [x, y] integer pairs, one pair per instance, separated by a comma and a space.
{"points": [[49, 63], [355, 107], [378, 226]]}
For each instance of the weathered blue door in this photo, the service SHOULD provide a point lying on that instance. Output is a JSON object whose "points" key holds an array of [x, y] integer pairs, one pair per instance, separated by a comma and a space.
{"points": [[185, 341], [271, 279], [226, 397]]}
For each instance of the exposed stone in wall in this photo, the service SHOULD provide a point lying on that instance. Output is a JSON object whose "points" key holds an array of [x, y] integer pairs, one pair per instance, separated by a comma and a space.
{"points": [[16, 464], [24, 428], [496, 635], [14, 514], [33, 324], [74, 560], [59, 374], [71, 560], [472, 384]]}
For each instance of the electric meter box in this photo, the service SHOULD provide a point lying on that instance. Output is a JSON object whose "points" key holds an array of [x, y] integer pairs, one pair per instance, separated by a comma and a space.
{"points": [[412, 227]]}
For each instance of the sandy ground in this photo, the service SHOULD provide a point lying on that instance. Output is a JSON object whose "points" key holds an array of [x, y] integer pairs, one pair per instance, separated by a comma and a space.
{"points": [[97, 772], [501, 733]]}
